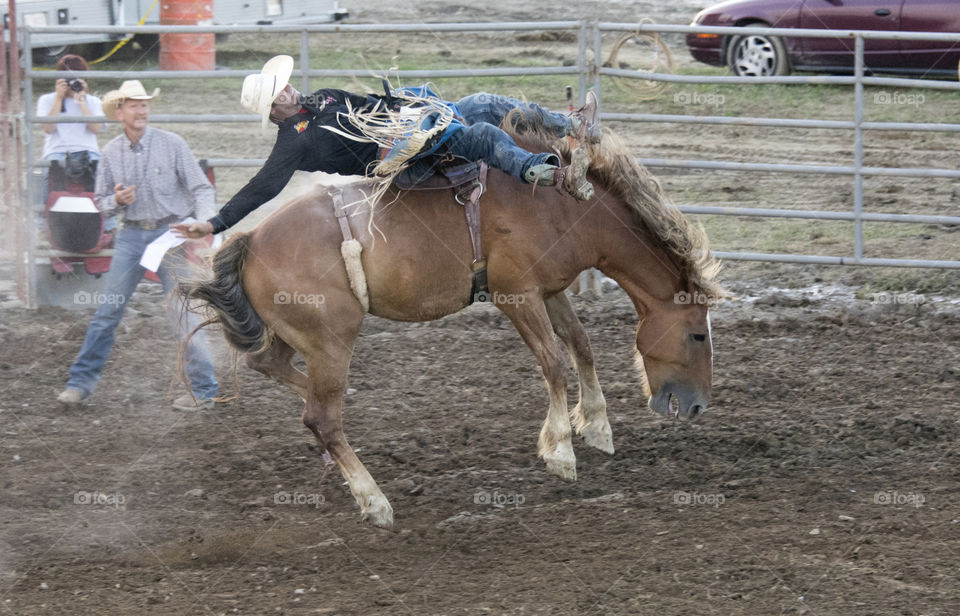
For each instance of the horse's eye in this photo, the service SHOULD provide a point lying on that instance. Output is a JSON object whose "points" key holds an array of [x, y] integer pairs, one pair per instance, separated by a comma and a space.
{"points": [[699, 337]]}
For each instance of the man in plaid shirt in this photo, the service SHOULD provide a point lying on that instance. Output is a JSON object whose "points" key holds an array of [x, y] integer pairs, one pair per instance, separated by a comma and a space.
{"points": [[150, 176]]}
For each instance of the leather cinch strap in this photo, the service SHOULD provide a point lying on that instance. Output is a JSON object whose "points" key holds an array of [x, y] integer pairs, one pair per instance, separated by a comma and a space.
{"points": [[479, 291], [341, 213]]}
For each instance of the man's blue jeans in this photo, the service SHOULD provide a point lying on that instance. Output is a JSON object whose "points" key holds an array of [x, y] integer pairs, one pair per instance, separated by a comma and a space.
{"points": [[492, 108], [122, 279], [482, 139]]}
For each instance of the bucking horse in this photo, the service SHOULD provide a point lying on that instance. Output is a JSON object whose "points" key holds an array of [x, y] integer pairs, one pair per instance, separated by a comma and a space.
{"points": [[416, 262]]}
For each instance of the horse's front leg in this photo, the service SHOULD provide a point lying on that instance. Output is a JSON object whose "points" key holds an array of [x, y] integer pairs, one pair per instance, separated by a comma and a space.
{"points": [[590, 415], [531, 320]]}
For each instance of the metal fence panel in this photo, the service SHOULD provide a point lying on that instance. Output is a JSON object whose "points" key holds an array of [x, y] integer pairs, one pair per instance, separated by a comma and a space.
{"points": [[589, 36]]}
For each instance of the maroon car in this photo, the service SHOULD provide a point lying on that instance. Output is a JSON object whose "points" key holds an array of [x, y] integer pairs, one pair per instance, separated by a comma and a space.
{"points": [[756, 54]]}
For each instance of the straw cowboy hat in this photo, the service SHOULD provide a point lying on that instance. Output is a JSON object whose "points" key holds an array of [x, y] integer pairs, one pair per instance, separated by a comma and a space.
{"points": [[132, 89], [260, 90]]}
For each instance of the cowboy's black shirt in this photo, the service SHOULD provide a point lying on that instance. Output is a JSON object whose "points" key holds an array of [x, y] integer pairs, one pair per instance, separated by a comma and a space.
{"points": [[303, 143]]}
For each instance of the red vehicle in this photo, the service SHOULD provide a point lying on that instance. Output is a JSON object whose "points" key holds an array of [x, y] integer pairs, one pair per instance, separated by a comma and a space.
{"points": [[759, 55]]}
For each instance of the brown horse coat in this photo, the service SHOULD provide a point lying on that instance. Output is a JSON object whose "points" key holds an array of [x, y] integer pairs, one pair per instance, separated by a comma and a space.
{"points": [[283, 288]]}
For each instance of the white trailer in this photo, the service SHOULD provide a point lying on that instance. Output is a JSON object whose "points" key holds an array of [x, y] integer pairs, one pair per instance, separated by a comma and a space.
{"points": [[130, 12]]}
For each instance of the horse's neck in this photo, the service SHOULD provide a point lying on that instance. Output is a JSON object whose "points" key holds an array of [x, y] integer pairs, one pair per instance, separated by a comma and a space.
{"points": [[632, 257]]}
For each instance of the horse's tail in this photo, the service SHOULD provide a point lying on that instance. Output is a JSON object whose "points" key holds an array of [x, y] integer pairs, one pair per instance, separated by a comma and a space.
{"points": [[241, 325]]}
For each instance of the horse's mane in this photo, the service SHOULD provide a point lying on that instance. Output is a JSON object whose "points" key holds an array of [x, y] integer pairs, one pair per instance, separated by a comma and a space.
{"points": [[614, 168]]}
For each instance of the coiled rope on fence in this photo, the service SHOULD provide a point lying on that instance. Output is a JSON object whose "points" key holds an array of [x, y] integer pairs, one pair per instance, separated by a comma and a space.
{"points": [[662, 63]]}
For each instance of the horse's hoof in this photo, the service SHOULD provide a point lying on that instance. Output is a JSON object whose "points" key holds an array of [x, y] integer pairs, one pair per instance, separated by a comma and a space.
{"points": [[378, 511], [561, 462], [599, 436]]}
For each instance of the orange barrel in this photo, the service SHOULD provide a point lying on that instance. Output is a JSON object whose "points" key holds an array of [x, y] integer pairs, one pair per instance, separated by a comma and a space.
{"points": [[187, 52]]}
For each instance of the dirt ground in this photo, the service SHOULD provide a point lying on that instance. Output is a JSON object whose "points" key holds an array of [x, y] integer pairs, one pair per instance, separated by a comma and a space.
{"points": [[822, 481]]}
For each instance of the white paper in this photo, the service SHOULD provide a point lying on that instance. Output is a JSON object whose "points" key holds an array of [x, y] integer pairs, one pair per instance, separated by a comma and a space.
{"points": [[155, 251]]}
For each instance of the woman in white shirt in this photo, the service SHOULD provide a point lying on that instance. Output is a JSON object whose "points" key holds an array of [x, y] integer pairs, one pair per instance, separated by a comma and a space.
{"points": [[70, 98]]}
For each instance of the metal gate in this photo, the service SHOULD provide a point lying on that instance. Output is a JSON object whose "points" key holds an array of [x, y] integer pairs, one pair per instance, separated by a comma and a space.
{"points": [[589, 37]]}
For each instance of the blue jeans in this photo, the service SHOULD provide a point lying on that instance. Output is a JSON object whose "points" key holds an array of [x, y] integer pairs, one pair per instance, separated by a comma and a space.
{"points": [[122, 279], [482, 139], [492, 108], [488, 143]]}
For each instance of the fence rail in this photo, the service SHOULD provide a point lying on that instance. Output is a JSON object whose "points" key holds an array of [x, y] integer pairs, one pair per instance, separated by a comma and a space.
{"points": [[589, 36]]}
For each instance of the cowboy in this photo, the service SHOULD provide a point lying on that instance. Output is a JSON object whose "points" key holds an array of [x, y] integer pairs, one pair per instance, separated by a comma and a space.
{"points": [[152, 177], [305, 142]]}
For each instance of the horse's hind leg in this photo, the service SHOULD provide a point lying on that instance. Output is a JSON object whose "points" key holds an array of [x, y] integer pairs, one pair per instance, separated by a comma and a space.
{"points": [[275, 362], [590, 415], [531, 320], [327, 373], [327, 346]]}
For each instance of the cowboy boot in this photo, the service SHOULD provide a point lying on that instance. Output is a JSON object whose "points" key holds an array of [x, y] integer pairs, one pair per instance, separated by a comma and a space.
{"points": [[584, 124], [572, 178], [575, 177]]}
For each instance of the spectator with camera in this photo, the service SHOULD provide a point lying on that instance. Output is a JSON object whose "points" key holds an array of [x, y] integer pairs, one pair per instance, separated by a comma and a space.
{"points": [[72, 145], [70, 97]]}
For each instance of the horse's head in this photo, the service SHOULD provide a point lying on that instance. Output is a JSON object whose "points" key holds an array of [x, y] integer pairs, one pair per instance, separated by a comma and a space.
{"points": [[675, 356]]}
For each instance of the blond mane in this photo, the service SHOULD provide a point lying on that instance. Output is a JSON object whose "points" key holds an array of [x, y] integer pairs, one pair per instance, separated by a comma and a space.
{"points": [[614, 168]]}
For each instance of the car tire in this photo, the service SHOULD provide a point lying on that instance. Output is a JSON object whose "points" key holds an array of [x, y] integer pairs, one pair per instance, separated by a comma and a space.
{"points": [[757, 55]]}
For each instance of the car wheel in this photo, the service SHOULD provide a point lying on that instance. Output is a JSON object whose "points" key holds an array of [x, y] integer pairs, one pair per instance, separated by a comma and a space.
{"points": [[757, 55]]}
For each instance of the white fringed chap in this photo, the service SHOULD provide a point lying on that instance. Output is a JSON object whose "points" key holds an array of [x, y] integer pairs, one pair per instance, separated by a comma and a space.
{"points": [[351, 249]]}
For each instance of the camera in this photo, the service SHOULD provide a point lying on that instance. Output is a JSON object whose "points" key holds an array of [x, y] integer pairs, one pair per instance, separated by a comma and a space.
{"points": [[75, 84]]}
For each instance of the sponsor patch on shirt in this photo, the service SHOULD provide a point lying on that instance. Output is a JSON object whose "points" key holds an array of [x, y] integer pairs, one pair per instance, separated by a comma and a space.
{"points": [[301, 126]]}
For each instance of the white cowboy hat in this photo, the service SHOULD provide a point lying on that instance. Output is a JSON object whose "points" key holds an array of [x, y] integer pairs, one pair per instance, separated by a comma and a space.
{"points": [[260, 90], [132, 89]]}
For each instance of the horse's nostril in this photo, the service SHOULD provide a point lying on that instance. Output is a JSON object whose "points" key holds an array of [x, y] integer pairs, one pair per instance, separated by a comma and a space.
{"points": [[697, 410]]}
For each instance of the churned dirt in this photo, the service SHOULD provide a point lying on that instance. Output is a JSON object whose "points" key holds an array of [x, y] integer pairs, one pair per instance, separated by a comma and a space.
{"points": [[823, 480]]}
